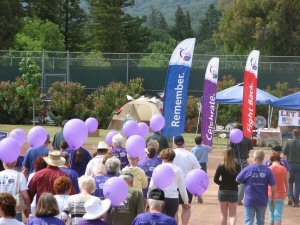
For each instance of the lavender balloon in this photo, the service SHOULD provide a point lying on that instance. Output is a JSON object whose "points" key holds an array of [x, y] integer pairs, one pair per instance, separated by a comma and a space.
{"points": [[91, 124], [37, 136], [236, 136], [19, 135], [116, 190], [109, 137], [135, 145], [142, 156], [143, 129], [157, 123], [197, 182], [9, 150], [130, 128], [75, 133], [163, 176]]}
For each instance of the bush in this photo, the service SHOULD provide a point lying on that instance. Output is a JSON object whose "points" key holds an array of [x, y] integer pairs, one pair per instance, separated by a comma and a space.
{"points": [[192, 112], [68, 100], [16, 108], [105, 100]]}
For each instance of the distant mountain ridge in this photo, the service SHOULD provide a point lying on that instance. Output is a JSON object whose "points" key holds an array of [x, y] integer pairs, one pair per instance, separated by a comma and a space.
{"points": [[196, 8]]}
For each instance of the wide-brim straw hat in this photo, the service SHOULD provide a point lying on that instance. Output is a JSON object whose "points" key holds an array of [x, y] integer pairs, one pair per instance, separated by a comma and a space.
{"points": [[54, 159]]}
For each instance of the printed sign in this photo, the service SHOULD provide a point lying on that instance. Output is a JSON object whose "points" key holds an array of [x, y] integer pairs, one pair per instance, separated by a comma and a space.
{"points": [[289, 118]]}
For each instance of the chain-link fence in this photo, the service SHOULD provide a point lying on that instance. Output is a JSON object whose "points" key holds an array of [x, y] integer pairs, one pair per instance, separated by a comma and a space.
{"points": [[94, 69]]}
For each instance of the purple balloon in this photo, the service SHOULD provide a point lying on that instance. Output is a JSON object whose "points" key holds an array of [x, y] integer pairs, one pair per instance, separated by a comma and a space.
{"points": [[37, 136], [130, 128], [143, 129], [135, 145], [236, 136], [19, 135], [91, 124], [163, 176], [75, 133], [109, 137], [116, 190], [142, 156], [157, 123], [197, 182], [10, 150]]}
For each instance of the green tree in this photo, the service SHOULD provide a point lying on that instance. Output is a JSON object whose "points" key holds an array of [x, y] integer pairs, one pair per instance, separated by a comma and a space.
{"points": [[38, 35], [271, 26], [31, 75], [67, 14], [157, 20], [11, 14], [182, 28], [209, 24]]}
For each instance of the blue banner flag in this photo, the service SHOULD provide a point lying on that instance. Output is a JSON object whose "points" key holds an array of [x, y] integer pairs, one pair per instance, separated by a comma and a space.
{"points": [[176, 90]]}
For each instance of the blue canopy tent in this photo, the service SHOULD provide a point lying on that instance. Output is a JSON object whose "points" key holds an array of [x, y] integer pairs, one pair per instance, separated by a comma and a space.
{"points": [[234, 95], [288, 102]]}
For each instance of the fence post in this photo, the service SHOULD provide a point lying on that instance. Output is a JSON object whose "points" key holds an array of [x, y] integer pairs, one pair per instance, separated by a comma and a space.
{"points": [[68, 66], [43, 72], [127, 68]]}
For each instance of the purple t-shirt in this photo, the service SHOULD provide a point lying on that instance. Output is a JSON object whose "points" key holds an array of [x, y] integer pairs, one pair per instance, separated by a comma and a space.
{"points": [[154, 218], [93, 222], [257, 178], [80, 169], [283, 160], [121, 154], [45, 221], [100, 180], [73, 175]]}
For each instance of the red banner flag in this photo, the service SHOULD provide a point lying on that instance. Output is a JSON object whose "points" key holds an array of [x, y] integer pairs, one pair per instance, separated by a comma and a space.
{"points": [[249, 99]]}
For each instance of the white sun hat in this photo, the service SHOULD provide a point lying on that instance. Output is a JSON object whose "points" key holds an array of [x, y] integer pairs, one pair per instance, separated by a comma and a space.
{"points": [[54, 158], [102, 145], [95, 208]]}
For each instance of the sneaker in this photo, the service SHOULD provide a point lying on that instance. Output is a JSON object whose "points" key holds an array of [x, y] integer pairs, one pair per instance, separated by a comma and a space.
{"points": [[290, 201], [240, 203], [200, 199]]}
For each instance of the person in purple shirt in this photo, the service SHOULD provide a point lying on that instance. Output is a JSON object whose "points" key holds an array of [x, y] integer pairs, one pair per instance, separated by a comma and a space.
{"points": [[71, 173], [149, 165], [99, 174], [278, 149], [257, 177], [119, 151], [154, 207], [95, 211], [79, 160], [46, 211]]}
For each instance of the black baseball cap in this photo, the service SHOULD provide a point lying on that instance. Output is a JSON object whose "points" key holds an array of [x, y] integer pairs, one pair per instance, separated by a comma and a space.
{"points": [[178, 140], [277, 148], [157, 194]]}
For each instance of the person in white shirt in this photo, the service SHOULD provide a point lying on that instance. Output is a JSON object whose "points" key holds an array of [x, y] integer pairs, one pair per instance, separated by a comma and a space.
{"points": [[101, 151], [171, 192], [187, 162], [8, 210]]}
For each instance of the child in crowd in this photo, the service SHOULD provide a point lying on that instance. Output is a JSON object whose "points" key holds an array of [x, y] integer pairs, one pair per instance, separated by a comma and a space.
{"points": [[201, 153]]}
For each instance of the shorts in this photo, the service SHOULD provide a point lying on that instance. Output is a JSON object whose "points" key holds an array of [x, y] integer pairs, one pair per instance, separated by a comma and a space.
{"points": [[171, 206], [190, 196], [228, 196]]}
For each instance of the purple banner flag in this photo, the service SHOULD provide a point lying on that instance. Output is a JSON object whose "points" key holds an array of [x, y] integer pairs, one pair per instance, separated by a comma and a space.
{"points": [[209, 101]]}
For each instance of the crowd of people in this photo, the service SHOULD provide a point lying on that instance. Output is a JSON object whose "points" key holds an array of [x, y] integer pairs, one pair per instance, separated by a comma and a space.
{"points": [[60, 185]]}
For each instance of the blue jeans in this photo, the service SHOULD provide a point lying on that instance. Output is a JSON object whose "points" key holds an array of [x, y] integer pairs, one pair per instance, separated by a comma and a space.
{"points": [[295, 176], [243, 163], [251, 211], [276, 210]]}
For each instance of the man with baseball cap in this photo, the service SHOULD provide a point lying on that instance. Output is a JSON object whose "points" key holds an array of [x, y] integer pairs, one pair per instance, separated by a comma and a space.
{"points": [[154, 207], [102, 149], [187, 161]]}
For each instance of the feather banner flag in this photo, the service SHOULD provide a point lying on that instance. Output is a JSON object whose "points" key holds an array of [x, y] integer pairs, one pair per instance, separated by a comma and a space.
{"points": [[209, 101], [176, 90], [249, 99]]}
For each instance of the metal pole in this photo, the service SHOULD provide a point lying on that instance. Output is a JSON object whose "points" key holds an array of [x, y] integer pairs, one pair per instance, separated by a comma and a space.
{"points": [[43, 72], [68, 66], [127, 69]]}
